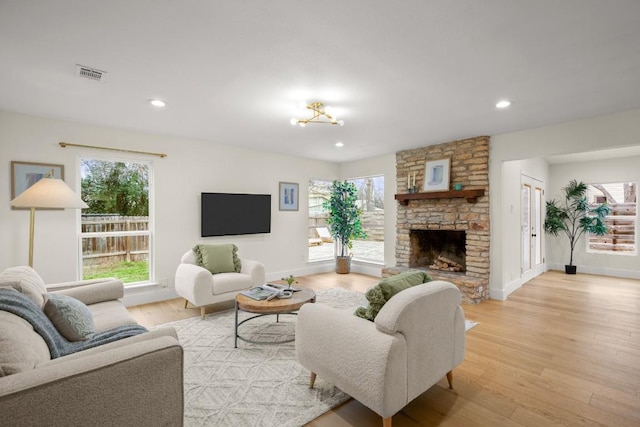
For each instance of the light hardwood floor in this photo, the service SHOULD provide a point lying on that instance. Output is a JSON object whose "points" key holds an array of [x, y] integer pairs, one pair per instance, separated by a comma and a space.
{"points": [[562, 350]]}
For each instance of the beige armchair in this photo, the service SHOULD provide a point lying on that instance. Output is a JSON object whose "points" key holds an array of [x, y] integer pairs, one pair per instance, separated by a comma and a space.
{"points": [[417, 338], [199, 287]]}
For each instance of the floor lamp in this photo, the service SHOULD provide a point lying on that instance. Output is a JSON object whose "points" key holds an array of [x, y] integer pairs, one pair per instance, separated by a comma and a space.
{"points": [[47, 193]]}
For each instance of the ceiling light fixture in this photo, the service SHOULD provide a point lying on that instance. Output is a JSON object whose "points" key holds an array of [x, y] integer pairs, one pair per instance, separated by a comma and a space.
{"points": [[157, 103], [503, 104], [339, 144], [319, 116]]}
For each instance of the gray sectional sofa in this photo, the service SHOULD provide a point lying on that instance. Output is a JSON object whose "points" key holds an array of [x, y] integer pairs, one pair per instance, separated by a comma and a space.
{"points": [[132, 381]]}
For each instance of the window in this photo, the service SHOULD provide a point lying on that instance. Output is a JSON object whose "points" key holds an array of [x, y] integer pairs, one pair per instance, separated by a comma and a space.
{"points": [[115, 229], [371, 201], [621, 223], [321, 245]]}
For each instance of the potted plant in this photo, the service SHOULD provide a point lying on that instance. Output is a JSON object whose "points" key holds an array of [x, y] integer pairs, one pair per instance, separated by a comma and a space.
{"points": [[290, 280], [344, 221], [574, 217]]}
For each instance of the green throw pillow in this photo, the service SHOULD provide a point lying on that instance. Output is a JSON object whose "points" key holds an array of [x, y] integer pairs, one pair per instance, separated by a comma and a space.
{"points": [[387, 288], [221, 258]]}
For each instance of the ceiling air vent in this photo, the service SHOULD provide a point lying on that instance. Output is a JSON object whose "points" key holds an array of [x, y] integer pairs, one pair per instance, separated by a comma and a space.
{"points": [[90, 73]]}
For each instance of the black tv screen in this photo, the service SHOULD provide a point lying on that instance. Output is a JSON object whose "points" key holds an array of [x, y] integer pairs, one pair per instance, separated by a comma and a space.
{"points": [[226, 214]]}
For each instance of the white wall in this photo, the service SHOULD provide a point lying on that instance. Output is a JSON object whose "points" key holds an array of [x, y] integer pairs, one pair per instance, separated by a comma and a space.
{"points": [[191, 166], [612, 131], [601, 171], [382, 165]]}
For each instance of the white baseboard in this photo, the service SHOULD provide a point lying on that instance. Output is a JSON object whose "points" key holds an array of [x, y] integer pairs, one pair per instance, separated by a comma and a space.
{"points": [[314, 268], [502, 294], [147, 295], [328, 266], [368, 269], [601, 271]]}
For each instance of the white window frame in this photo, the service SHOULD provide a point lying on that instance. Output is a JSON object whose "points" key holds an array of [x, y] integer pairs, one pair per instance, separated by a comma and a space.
{"points": [[357, 257], [150, 225], [329, 257]]}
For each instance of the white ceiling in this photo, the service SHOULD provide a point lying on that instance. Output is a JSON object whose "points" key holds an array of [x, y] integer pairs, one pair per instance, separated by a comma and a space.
{"points": [[590, 156], [403, 74]]}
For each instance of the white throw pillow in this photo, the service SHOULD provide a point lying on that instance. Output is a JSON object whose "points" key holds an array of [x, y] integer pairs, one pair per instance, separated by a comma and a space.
{"points": [[25, 280]]}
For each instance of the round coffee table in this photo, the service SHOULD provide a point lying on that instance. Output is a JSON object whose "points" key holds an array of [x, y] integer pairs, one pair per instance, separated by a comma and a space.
{"points": [[276, 306]]}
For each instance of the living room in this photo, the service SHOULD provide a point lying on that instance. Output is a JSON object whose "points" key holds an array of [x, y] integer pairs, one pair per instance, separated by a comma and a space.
{"points": [[208, 152], [177, 211]]}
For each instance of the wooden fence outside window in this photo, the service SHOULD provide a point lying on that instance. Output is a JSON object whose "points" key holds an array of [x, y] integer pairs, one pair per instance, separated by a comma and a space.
{"points": [[114, 247]]}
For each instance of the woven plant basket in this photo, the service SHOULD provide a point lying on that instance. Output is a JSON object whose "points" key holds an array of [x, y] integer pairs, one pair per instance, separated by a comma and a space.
{"points": [[343, 264]]}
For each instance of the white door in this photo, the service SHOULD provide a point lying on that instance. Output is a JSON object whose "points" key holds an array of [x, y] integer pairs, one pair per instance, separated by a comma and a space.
{"points": [[531, 228]]}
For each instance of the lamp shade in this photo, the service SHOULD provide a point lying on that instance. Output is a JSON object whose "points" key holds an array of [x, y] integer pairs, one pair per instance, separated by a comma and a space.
{"points": [[49, 193]]}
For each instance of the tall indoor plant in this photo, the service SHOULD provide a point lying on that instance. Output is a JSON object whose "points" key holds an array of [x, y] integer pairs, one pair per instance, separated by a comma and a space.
{"points": [[574, 216], [344, 221]]}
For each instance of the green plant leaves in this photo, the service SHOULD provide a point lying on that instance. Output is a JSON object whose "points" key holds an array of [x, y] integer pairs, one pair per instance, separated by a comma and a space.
{"points": [[344, 215], [574, 216]]}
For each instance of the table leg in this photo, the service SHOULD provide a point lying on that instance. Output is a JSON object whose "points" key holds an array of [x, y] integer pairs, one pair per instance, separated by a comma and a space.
{"points": [[235, 331]]}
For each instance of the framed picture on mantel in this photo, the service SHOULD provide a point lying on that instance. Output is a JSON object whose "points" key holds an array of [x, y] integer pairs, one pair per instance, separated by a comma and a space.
{"points": [[436, 175]]}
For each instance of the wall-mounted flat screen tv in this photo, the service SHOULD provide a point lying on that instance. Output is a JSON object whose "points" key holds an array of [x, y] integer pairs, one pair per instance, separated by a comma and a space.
{"points": [[226, 214]]}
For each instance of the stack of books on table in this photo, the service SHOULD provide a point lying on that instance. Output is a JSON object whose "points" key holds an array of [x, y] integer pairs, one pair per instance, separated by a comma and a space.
{"points": [[264, 292]]}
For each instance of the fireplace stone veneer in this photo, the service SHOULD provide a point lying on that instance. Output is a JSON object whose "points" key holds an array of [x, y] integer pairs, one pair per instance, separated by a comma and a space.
{"points": [[469, 167]]}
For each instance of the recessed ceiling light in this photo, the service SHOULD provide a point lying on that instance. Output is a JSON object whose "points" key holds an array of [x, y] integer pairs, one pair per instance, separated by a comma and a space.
{"points": [[339, 144], [503, 104], [157, 102]]}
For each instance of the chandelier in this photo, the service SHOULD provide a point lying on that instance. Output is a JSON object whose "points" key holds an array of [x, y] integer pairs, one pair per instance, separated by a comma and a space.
{"points": [[319, 116]]}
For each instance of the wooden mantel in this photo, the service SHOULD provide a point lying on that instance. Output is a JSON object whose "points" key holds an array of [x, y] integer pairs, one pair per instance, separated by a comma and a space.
{"points": [[470, 195]]}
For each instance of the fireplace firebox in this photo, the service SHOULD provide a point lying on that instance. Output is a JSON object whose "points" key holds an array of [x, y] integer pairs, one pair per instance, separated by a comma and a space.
{"points": [[438, 249]]}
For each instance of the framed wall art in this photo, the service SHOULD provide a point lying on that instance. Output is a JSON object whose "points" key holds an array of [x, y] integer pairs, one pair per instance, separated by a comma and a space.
{"points": [[288, 198], [436, 175], [25, 174]]}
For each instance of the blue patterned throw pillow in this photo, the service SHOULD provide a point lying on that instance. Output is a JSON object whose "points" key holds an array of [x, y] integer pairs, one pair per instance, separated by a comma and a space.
{"points": [[71, 317]]}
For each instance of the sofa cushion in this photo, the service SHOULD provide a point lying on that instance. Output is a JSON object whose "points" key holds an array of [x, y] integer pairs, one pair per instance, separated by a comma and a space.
{"points": [[25, 280], [70, 316], [21, 348], [110, 314], [230, 282], [379, 294], [218, 258]]}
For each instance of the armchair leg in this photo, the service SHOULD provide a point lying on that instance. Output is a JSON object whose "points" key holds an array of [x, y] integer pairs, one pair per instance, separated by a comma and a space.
{"points": [[202, 312], [186, 303], [312, 380], [386, 422], [450, 379]]}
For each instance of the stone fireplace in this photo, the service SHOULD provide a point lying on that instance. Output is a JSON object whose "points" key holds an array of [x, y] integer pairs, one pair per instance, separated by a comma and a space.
{"points": [[450, 224]]}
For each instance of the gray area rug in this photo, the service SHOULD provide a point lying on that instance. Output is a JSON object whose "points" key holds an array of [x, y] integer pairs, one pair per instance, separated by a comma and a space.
{"points": [[253, 385]]}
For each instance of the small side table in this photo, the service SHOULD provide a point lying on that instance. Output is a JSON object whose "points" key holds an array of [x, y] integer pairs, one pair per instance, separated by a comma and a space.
{"points": [[276, 306]]}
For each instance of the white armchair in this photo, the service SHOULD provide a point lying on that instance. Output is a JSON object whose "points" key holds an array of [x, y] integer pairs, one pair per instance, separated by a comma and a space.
{"points": [[199, 287], [417, 338]]}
